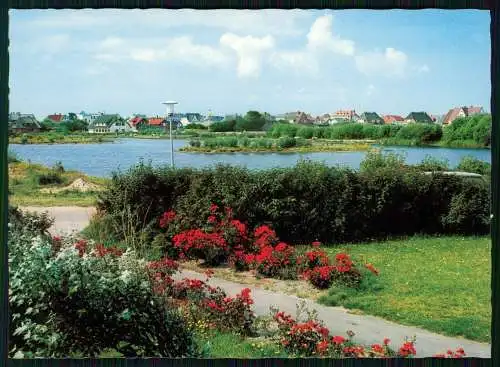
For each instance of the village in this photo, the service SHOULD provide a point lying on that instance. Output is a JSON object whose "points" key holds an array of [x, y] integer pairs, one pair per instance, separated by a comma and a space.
{"points": [[103, 123]]}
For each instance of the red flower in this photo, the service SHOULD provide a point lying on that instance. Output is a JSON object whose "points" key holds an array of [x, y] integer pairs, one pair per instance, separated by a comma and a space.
{"points": [[316, 244], [212, 219], [322, 346], [407, 349], [167, 218], [377, 348], [81, 246], [338, 340], [387, 341], [213, 208]]}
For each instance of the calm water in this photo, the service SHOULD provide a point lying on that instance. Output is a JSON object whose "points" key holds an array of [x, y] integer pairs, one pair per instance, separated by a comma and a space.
{"points": [[102, 159]]}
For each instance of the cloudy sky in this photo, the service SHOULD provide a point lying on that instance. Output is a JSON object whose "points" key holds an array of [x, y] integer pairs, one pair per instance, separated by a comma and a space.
{"points": [[229, 61]]}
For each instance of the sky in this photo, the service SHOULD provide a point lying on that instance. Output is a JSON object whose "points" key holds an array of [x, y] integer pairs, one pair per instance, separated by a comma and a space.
{"points": [[233, 61]]}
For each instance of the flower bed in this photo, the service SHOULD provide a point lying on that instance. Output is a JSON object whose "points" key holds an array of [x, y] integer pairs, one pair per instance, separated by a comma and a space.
{"points": [[224, 239]]}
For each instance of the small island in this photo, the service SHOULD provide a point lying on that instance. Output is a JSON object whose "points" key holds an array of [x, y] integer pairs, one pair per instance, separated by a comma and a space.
{"points": [[245, 144]]}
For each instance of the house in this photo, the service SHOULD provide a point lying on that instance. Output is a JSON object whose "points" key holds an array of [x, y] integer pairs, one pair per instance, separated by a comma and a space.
{"points": [[371, 118], [457, 112], [23, 123], [303, 118], [57, 118], [393, 119], [138, 121], [88, 117], [349, 115], [106, 124], [422, 117]]}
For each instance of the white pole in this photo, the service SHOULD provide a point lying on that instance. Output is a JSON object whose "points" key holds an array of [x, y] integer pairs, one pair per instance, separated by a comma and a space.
{"points": [[171, 142]]}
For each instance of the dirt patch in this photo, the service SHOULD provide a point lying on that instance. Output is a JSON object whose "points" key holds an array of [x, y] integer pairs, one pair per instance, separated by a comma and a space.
{"points": [[299, 288], [78, 185]]}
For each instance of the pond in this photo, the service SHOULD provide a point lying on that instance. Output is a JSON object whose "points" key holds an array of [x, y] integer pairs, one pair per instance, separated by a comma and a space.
{"points": [[102, 159]]}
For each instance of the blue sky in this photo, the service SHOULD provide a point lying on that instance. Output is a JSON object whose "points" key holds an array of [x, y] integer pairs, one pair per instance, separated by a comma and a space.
{"points": [[129, 61]]}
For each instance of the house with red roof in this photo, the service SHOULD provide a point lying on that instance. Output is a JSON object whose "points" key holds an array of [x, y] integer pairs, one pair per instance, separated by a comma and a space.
{"points": [[56, 117], [393, 119], [458, 112], [138, 122]]}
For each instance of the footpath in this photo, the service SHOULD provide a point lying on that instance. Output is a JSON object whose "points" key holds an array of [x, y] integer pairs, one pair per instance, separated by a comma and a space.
{"points": [[367, 329]]}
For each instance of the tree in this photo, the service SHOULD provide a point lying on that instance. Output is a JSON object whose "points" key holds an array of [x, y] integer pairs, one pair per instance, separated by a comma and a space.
{"points": [[253, 121]]}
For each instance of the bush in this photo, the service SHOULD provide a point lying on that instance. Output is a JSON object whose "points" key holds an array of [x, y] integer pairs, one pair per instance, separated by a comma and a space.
{"points": [[75, 299], [433, 164], [285, 143], [12, 158], [195, 143], [194, 126], [474, 165], [304, 203], [51, 178]]}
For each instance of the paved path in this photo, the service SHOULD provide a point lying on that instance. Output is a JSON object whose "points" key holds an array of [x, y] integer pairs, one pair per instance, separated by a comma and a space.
{"points": [[67, 218], [368, 329]]}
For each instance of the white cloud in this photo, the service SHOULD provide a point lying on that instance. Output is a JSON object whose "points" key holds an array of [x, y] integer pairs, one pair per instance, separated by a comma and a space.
{"points": [[320, 37], [249, 51], [299, 61], [389, 63], [156, 50]]}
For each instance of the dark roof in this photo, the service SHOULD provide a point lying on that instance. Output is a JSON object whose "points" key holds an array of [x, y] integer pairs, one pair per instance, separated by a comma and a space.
{"points": [[106, 120], [419, 117], [371, 117], [24, 121]]}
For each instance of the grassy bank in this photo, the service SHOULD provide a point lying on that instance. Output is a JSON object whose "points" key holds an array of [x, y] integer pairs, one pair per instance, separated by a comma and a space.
{"points": [[441, 284], [37, 185], [60, 138]]}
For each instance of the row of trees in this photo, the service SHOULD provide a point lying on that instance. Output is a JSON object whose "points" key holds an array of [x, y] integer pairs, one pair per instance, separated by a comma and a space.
{"points": [[252, 121], [73, 124]]}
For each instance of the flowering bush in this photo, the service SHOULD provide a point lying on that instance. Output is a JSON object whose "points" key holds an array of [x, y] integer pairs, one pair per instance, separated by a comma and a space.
{"points": [[84, 299], [272, 261], [458, 353], [311, 338]]}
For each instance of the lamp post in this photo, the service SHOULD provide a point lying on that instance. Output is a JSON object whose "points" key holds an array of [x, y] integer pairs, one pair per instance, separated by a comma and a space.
{"points": [[170, 111]]}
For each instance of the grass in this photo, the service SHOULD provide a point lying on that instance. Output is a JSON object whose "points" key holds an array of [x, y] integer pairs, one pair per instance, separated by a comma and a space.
{"points": [[441, 284], [60, 138], [228, 345], [37, 185]]}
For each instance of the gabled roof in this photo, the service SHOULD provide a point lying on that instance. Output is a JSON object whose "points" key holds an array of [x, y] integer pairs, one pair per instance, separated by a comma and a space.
{"points": [[106, 119], [156, 121], [56, 117], [136, 120], [371, 116], [392, 118], [24, 121], [419, 117]]}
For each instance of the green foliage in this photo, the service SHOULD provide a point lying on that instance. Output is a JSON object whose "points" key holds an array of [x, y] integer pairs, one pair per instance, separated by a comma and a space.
{"points": [[420, 133], [305, 203], [475, 129], [223, 126], [376, 160], [195, 143], [63, 304], [474, 165], [284, 143], [50, 178], [432, 164], [194, 126]]}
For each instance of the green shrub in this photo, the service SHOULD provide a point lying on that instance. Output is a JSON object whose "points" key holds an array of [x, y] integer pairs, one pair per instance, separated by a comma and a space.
{"points": [[195, 143], [64, 304], [194, 126], [475, 129], [433, 164], [50, 178], [474, 165], [304, 203], [284, 143]]}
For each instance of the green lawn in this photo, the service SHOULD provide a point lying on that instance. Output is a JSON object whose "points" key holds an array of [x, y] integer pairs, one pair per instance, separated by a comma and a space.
{"points": [[441, 284]]}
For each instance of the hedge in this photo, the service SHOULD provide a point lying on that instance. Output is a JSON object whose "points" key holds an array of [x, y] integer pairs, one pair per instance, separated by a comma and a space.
{"points": [[307, 202]]}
